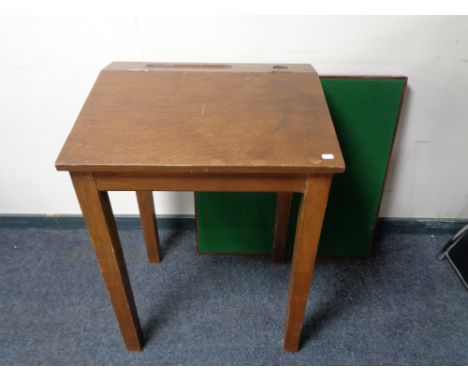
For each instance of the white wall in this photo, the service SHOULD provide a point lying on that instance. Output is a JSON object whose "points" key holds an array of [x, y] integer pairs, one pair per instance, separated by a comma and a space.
{"points": [[48, 65]]}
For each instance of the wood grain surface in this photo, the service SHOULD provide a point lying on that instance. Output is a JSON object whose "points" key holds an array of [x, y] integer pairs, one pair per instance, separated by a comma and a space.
{"points": [[280, 237], [309, 226], [149, 225], [99, 219], [220, 118]]}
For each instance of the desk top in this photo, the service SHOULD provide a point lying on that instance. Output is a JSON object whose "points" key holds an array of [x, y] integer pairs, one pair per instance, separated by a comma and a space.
{"points": [[204, 118]]}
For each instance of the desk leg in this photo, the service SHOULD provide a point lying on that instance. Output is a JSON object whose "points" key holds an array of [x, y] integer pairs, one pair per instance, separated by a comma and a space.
{"points": [[309, 225], [280, 238], [97, 213], [148, 224]]}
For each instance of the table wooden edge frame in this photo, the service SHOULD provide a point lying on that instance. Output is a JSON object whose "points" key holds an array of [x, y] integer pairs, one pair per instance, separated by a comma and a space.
{"points": [[206, 182], [91, 189]]}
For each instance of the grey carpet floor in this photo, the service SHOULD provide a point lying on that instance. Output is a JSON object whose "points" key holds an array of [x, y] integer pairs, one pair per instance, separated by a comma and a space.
{"points": [[400, 307]]}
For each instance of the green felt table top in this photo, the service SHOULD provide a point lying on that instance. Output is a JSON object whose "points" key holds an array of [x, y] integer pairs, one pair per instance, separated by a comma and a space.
{"points": [[365, 112]]}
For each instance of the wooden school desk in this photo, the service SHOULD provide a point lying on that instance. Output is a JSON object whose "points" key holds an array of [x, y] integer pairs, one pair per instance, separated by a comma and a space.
{"points": [[203, 127]]}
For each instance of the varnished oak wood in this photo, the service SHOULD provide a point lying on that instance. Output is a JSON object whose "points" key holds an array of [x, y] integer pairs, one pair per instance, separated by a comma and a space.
{"points": [[236, 118], [280, 238], [309, 225], [202, 127], [149, 225], [191, 182], [97, 213]]}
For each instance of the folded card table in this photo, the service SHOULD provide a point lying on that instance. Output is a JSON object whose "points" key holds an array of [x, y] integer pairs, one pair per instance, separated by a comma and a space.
{"points": [[203, 127]]}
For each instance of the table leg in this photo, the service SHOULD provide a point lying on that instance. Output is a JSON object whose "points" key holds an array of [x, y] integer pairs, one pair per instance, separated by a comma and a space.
{"points": [[149, 225], [97, 213], [309, 225], [280, 238]]}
